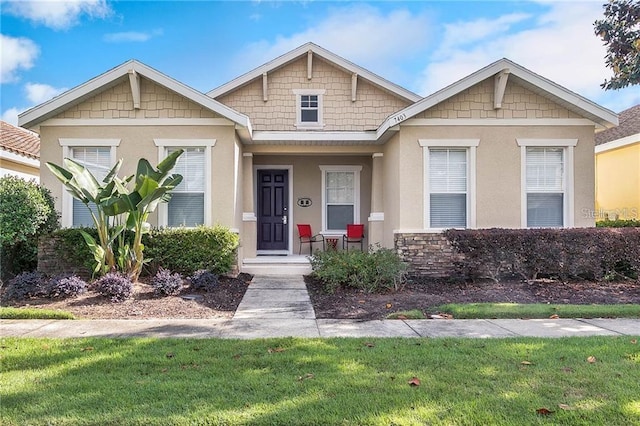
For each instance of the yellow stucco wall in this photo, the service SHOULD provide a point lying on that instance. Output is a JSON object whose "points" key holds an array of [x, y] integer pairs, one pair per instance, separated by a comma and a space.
{"points": [[278, 113], [618, 183]]}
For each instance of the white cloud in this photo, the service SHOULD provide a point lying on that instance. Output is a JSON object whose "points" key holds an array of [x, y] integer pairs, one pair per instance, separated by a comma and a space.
{"points": [[38, 93], [464, 33], [560, 46], [17, 54], [131, 36], [57, 14], [360, 33], [11, 115]]}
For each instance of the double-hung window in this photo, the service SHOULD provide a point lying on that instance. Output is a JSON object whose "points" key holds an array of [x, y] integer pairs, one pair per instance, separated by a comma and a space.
{"points": [[186, 206], [190, 203], [96, 155], [448, 187], [340, 197], [449, 182], [309, 108], [545, 186], [547, 167]]}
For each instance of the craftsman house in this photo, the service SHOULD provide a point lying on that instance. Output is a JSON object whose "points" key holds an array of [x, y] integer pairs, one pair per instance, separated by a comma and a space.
{"points": [[311, 138]]}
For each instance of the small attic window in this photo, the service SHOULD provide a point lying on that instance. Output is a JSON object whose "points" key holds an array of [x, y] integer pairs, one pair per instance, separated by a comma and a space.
{"points": [[309, 108]]}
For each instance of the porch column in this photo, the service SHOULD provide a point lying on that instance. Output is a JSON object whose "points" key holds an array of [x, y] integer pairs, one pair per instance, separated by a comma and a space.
{"points": [[376, 217], [249, 221]]}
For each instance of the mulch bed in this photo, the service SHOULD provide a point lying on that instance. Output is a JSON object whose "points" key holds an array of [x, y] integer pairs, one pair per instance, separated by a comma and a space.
{"points": [[220, 302], [425, 295]]}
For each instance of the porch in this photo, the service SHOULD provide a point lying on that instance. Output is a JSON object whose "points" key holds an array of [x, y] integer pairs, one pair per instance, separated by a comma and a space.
{"points": [[276, 265]]}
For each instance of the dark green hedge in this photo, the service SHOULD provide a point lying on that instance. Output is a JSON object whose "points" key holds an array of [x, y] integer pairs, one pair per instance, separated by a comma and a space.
{"points": [[177, 249], [582, 253], [188, 250]]}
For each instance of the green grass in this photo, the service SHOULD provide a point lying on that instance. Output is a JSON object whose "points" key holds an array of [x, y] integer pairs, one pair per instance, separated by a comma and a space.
{"points": [[538, 310], [412, 314], [32, 313], [97, 381]]}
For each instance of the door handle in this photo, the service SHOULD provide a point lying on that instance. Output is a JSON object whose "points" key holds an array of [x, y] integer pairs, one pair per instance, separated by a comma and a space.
{"points": [[284, 220]]}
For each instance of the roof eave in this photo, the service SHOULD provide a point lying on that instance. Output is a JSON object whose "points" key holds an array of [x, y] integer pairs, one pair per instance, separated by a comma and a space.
{"points": [[38, 114], [598, 114], [326, 55]]}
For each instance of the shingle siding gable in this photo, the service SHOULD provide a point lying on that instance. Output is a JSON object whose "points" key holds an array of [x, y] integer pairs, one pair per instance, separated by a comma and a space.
{"points": [[477, 102], [155, 102], [278, 113]]}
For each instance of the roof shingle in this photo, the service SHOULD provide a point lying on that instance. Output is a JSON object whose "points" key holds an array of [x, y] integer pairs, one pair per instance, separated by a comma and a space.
{"points": [[19, 141], [629, 120]]}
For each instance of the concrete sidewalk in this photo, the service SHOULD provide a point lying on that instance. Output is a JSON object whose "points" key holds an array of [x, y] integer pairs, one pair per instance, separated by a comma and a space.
{"points": [[279, 306]]}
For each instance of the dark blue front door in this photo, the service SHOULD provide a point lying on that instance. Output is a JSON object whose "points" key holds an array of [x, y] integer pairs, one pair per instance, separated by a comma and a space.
{"points": [[273, 211]]}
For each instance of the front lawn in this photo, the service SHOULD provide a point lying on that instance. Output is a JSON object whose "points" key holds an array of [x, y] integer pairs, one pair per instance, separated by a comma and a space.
{"points": [[538, 310], [523, 381]]}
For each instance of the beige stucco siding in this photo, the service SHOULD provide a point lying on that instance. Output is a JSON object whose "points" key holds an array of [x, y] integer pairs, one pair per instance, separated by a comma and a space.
{"points": [[391, 179], [498, 172], [278, 113], [138, 142], [155, 102], [478, 102]]}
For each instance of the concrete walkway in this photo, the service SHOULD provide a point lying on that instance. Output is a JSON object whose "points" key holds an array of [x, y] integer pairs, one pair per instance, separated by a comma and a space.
{"points": [[279, 306]]}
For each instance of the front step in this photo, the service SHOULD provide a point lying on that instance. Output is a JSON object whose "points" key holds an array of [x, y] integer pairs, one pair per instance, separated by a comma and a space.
{"points": [[276, 265]]}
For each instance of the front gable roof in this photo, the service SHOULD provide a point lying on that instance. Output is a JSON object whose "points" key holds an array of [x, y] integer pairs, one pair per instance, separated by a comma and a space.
{"points": [[601, 116], [332, 58], [49, 109]]}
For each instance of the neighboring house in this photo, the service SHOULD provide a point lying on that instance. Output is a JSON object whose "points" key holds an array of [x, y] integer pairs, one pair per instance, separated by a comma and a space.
{"points": [[19, 152], [618, 168], [312, 138]]}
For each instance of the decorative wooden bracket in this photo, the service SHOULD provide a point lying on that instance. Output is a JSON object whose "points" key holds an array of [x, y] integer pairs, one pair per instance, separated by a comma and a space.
{"points": [[134, 81], [500, 86], [264, 87], [309, 64], [354, 86]]}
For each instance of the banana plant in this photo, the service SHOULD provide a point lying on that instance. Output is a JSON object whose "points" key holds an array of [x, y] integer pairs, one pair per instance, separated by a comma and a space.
{"points": [[113, 199], [152, 186], [82, 184]]}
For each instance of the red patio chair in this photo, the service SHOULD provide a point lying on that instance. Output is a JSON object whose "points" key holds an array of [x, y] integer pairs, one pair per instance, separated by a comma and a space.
{"points": [[307, 237], [355, 235]]}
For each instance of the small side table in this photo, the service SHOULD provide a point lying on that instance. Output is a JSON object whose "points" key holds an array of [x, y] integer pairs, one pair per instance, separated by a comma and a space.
{"points": [[332, 243]]}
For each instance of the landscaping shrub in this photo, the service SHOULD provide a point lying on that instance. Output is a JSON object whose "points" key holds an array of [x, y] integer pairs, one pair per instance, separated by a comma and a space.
{"points": [[26, 285], [26, 212], [203, 280], [581, 253], [165, 283], [374, 271], [618, 223], [189, 250], [115, 286], [65, 286]]}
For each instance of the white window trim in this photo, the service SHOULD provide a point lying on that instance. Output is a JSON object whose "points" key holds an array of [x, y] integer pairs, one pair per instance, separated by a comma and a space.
{"points": [[471, 145], [356, 189], [569, 191], [66, 218], [307, 125], [163, 146]]}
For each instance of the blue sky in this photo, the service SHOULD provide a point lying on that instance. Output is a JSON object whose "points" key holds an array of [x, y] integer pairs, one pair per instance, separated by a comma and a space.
{"points": [[48, 47]]}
